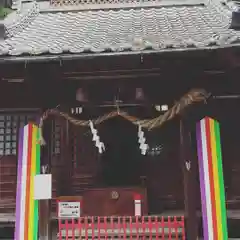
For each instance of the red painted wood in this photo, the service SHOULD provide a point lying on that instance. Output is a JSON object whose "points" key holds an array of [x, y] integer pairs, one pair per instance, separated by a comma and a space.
{"points": [[99, 201], [110, 227]]}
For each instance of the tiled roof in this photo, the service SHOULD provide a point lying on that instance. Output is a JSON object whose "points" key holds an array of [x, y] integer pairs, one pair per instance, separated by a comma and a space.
{"points": [[35, 31]]}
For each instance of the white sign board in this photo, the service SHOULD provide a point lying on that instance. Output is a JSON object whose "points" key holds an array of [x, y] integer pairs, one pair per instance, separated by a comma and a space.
{"points": [[138, 207], [69, 210], [43, 186]]}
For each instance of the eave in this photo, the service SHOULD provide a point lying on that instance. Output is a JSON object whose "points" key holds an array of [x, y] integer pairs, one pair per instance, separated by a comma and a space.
{"points": [[81, 56]]}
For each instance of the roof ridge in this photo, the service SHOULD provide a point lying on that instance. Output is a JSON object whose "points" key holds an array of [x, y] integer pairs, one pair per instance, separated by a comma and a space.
{"points": [[18, 20], [89, 5], [222, 8]]}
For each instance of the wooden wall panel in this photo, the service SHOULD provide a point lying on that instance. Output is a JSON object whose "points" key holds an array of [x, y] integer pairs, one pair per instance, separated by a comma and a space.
{"points": [[56, 175], [8, 181], [85, 160], [164, 183], [82, 164], [231, 155]]}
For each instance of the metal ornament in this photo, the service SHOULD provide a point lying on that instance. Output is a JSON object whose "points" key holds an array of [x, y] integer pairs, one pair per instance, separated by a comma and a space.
{"points": [[114, 195], [45, 169], [188, 165]]}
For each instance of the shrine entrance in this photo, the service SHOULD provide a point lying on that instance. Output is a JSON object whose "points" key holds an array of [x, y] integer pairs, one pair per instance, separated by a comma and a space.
{"points": [[120, 171], [128, 146]]}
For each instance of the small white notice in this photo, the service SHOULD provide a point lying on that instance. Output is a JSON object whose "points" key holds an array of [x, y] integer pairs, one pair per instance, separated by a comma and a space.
{"points": [[138, 207], [69, 210], [43, 186]]}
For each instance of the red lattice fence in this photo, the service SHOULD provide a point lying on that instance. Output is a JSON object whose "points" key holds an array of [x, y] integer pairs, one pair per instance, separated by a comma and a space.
{"points": [[149, 227]]}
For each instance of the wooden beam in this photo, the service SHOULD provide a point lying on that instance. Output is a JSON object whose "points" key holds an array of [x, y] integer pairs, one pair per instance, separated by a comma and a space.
{"points": [[189, 166]]}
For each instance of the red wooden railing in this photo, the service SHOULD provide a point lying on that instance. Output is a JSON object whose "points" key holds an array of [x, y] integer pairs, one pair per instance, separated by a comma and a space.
{"points": [[149, 227]]}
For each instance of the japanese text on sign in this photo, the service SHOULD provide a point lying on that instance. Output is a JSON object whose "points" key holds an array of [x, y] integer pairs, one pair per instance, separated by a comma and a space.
{"points": [[69, 209]]}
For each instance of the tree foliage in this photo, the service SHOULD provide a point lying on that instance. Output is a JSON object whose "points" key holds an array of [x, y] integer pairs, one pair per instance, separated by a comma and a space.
{"points": [[4, 12]]}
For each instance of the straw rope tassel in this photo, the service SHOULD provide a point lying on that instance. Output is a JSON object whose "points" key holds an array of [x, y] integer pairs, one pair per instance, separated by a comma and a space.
{"points": [[41, 140]]}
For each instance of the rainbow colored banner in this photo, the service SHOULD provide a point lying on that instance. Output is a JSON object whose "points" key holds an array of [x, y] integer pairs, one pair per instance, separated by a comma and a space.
{"points": [[26, 224], [211, 180]]}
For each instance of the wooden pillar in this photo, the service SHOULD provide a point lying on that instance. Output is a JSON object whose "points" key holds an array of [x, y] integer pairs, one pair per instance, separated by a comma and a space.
{"points": [[65, 183], [44, 220], [45, 205], [189, 165]]}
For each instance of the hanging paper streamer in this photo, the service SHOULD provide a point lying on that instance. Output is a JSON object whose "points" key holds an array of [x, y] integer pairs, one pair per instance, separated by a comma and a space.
{"points": [[211, 180], [26, 224], [96, 138], [141, 140]]}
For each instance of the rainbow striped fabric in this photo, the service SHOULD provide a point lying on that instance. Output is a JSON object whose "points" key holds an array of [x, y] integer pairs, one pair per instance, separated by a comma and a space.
{"points": [[211, 180], [26, 225]]}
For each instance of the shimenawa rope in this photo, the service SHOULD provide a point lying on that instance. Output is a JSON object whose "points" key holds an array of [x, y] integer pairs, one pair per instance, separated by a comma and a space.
{"points": [[193, 96]]}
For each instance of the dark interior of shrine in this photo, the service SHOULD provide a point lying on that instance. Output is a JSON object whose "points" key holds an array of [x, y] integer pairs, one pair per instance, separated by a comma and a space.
{"points": [[121, 161], [123, 165]]}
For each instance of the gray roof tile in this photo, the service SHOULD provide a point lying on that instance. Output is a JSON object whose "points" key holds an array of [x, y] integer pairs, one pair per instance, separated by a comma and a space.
{"points": [[158, 28]]}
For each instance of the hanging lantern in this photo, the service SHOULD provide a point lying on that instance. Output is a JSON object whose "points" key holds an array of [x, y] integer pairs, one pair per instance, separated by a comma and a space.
{"points": [[80, 95], [161, 108], [76, 110], [139, 94]]}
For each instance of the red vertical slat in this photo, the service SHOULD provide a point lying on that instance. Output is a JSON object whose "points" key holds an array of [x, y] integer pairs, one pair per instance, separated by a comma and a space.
{"points": [[112, 227], [156, 227], [163, 227], [86, 227], [73, 228], [79, 227], [66, 227], [175, 224], [60, 228], [119, 227], [151, 224], [130, 227], [169, 228], [92, 226], [183, 228], [99, 227], [144, 227], [105, 227], [137, 227], [124, 229]]}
